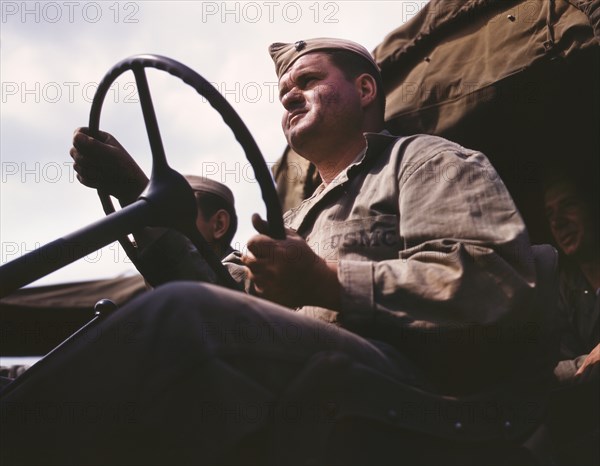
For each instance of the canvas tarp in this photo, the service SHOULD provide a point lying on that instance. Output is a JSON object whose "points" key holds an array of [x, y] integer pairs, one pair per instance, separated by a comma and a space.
{"points": [[446, 62], [517, 80], [34, 320]]}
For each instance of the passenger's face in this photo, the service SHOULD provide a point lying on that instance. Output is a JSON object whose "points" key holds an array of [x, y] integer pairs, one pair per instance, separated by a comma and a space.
{"points": [[569, 218], [319, 103], [205, 228]]}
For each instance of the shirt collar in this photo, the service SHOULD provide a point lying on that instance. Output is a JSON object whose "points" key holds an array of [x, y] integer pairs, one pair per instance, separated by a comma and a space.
{"points": [[376, 143]]}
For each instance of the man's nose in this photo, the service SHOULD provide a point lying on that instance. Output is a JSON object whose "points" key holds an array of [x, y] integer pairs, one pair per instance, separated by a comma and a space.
{"points": [[292, 99], [558, 220]]}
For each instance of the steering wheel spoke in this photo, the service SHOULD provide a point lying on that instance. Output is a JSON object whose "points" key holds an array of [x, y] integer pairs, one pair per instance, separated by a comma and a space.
{"points": [[159, 159]]}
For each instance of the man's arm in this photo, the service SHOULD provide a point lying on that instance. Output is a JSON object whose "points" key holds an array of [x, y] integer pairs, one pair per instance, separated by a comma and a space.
{"points": [[465, 256], [162, 254], [578, 354]]}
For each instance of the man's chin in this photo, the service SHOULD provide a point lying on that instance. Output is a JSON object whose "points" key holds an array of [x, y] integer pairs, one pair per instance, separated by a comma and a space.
{"points": [[570, 249], [297, 138]]}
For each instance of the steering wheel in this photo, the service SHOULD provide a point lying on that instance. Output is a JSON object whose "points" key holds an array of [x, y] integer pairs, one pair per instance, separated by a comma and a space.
{"points": [[168, 191]]}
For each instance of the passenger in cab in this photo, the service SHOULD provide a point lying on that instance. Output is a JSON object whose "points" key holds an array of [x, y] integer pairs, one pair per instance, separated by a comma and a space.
{"points": [[573, 218]]}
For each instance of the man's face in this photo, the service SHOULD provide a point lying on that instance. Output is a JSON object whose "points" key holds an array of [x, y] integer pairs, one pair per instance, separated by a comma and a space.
{"points": [[205, 228], [569, 218], [319, 103]]}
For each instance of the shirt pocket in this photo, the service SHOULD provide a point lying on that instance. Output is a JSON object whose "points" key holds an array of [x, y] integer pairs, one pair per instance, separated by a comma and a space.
{"points": [[372, 238]]}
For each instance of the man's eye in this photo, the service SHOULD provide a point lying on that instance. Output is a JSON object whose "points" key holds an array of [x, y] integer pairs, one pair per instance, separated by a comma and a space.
{"points": [[307, 80]]}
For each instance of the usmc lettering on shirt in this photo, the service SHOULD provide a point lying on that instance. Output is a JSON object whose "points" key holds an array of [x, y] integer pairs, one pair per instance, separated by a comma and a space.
{"points": [[370, 238]]}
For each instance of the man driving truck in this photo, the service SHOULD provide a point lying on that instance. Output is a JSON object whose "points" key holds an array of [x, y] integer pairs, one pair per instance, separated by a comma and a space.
{"points": [[410, 259]]}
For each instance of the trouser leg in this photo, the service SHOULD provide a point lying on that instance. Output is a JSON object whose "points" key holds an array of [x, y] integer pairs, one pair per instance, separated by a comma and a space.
{"points": [[184, 372]]}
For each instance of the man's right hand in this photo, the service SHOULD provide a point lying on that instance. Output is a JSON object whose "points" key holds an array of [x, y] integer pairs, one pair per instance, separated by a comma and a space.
{"points": [[591, 362], [104, 164]]}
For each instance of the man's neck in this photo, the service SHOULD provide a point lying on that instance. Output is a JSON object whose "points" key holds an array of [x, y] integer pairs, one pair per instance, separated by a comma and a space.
{"points": [[331, 166]]}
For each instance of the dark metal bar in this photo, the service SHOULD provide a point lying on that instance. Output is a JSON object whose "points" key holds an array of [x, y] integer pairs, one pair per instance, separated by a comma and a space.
{"points": [[159, 159], [63, 251], [103, 309]]}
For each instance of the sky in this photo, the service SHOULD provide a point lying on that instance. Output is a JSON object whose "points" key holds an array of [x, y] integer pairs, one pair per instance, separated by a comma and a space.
{"points": [[53, 54]]}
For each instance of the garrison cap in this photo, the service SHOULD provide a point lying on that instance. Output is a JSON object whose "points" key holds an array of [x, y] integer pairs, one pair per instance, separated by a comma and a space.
{"points": [[284, 55], [205, 185]]}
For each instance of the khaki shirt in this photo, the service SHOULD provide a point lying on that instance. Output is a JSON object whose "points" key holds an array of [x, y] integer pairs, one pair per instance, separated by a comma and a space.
{"points": [[424, 232]]}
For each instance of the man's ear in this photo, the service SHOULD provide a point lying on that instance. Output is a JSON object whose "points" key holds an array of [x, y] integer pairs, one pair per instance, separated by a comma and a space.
{"points": [[220, 222], [367, 88]]}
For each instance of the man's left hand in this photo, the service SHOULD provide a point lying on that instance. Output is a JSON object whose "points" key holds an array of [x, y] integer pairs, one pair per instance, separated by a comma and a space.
{"points": [[288, 272]]}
